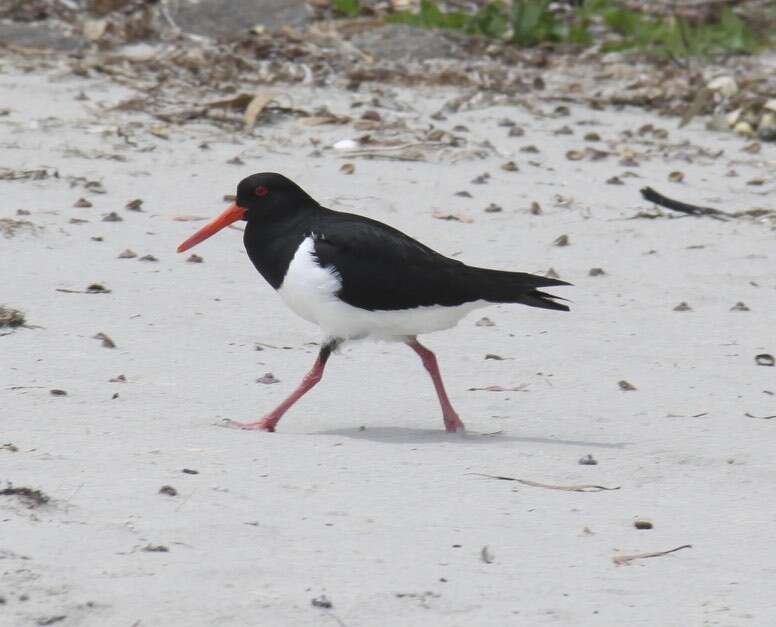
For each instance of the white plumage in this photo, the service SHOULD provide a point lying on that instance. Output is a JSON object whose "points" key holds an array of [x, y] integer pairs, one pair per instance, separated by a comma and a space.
{"points": [[310, 291]]}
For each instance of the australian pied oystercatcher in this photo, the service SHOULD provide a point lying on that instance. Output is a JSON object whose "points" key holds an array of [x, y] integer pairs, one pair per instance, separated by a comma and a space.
{"points": [[355, 278]]}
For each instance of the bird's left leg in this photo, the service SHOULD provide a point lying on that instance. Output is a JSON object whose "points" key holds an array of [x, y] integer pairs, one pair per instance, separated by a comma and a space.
{"points": [[268, 422], [452, 421]]}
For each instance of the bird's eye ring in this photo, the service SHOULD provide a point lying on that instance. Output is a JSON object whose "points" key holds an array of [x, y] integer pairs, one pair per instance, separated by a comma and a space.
{"points": [[261, 190]]}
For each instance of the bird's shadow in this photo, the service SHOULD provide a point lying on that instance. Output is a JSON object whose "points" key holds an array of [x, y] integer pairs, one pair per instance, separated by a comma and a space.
{"points": [[403, 435]]}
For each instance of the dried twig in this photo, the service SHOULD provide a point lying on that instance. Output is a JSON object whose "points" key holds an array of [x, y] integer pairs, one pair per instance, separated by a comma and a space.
{"points": [[584, 487], [748, 415], [619, 560], [694, 210]]}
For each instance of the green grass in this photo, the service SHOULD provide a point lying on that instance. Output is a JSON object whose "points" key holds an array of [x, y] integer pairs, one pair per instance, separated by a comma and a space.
{"points": [[530, 23]]}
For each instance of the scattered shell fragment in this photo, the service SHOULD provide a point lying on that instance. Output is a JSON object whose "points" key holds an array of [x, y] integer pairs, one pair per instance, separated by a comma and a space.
{"points": [[562, 240], [268, 378], [642, 524], [739, 306], [106, 341], [683, 306], [194, 258], [676, 176], [764, 359], [348, 168], [596, 272], [588, 460], [626, 386], [127, 254], [345, 144], [112, 217], [82, 203]]}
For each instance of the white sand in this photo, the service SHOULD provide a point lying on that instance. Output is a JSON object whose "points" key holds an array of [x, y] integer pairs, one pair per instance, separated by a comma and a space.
{"points": [[360, 495]]}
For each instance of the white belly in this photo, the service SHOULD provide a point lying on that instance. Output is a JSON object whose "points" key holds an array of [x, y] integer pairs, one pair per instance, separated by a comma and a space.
{"points": [[310, 291]]}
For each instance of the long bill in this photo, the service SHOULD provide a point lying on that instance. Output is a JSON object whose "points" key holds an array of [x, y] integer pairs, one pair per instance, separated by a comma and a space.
{"points": [[231, 214]]}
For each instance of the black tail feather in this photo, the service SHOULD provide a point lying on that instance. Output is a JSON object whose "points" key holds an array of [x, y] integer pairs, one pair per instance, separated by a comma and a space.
{"points": [[497, 286]]}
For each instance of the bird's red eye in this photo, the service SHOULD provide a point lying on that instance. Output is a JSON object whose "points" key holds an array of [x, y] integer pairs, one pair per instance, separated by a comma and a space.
{"points": [[261, 190]]}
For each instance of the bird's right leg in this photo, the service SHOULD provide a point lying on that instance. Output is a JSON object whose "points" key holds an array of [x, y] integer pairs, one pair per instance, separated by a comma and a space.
{"points": [[270, 421]]}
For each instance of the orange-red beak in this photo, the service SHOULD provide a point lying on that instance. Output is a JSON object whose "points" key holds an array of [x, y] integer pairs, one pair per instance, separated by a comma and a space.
{"points": [[232, 213]]}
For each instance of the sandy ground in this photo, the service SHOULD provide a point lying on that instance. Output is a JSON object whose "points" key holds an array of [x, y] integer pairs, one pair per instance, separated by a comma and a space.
{"points": [[360, 496]]}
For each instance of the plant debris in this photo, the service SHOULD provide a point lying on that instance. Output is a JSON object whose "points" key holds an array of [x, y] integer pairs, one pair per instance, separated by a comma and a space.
{"points": [[535, 484], [619, 560], [322, 602], [155, 548], [168, 490], [626, 386], [588, 460], [10, 317], [31, 498]]}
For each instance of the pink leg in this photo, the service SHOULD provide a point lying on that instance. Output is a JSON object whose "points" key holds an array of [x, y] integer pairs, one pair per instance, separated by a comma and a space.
{"points": [[452, 421], [270, 421]]}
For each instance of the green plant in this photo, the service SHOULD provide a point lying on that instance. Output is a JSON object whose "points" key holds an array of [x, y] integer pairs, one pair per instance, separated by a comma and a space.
{"points": [[351, 8]]}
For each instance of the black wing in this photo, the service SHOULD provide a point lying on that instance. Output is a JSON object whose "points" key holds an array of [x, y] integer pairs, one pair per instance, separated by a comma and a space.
{"points": [[384, 269]]}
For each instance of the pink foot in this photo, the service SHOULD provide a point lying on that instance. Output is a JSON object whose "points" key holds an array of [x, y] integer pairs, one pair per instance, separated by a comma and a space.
{"points": [[265, 424], [453, 424]]}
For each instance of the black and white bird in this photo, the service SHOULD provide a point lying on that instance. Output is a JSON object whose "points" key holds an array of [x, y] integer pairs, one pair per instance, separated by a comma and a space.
{"points": [[358, 278]]}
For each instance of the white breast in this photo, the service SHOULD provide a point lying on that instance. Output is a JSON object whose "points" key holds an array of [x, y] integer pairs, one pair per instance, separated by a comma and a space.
{"points": [[310, 291]]}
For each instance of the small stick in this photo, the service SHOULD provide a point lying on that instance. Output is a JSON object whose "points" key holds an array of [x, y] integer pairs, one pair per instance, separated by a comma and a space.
{"points": [[619, 560], [535, 484], [694, 210]]}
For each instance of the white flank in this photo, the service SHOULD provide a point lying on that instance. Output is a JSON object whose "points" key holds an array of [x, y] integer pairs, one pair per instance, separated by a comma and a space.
{"points": [[310, 291]]}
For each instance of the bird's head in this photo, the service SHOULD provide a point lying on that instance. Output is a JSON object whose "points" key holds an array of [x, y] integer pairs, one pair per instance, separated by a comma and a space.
{"points": [[265, 195]]}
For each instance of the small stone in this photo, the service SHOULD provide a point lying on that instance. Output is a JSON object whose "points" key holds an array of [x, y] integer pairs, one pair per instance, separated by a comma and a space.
{"points": [[127, 254], [57, 392], [614, 180], [268, 379], [563, 130], [642, 524], [135, 204], [481, 179], [190, 471], [494, 356], [562, 240], [371, 115], [463, 194], [112, 217], [194, 258], [683, 306], [626, 386], [82, 203], [168, 490], [739, 306], [536, 208], [596, 272], [531, 149], [236, 161], [486, 555], [148, 258], [155, 548], [516, 131], [592, 137], [506, 122], [322, 602], [575, 155], [493, 208], [588, 460], [509, 166], [485, 322], [676, 176]]}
